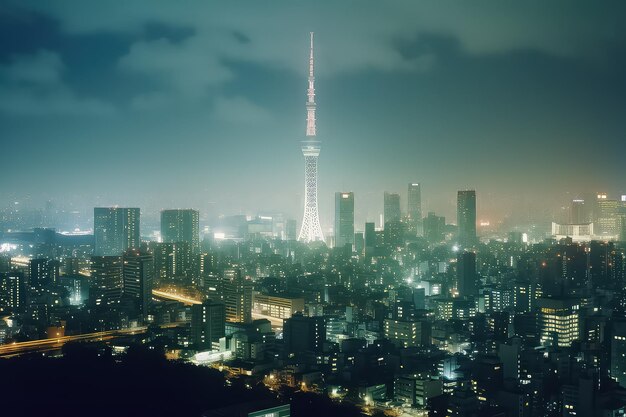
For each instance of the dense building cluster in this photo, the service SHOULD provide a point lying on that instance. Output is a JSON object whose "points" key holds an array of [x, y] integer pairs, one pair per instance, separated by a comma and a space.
{"points": [[418, 316]]}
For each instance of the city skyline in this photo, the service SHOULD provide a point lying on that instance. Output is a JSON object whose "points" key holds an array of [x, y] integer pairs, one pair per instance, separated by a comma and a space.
{"points": [[161, 88], [458, 248]]}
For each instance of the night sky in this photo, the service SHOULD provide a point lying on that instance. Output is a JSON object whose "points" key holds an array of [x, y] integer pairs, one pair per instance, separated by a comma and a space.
{"points": [[162, 104]]}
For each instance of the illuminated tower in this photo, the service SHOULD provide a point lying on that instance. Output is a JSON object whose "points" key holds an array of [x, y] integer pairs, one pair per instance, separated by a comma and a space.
{"points": [[311, 229]]}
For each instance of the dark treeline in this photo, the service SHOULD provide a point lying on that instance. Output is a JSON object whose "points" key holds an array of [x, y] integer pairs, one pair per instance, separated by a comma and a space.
{"points": [[89, 381]]}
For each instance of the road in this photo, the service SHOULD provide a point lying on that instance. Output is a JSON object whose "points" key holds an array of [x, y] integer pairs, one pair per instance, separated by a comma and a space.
{"points": [[57, 342], [43, 345], [276, 322]]}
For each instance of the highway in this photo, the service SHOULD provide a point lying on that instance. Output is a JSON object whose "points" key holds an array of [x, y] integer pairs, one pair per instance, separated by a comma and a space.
{"points": [[276, 322], [43, 345], [57, 342]]}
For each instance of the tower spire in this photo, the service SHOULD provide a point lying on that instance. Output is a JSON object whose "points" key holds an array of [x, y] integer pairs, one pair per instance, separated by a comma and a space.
{"points": [[311, 229], [310, 104]]}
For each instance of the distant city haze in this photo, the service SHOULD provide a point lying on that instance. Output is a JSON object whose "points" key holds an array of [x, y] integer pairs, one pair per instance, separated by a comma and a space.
{"points": [[203, 107]]}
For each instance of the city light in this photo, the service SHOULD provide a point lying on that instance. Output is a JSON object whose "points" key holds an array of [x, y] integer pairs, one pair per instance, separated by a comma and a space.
{"points": [[174, 242]]}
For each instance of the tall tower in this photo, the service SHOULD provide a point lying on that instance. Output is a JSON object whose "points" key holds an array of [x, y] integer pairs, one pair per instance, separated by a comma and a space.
{"points": [[311, 229], [466, 217]]}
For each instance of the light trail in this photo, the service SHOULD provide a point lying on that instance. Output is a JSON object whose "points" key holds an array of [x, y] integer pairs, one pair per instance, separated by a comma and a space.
{"points": [[175, 297], [42, 345], [275, 321]]}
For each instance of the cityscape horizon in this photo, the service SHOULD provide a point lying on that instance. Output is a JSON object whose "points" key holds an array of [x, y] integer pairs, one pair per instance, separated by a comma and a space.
{"points": [[455, 245]]}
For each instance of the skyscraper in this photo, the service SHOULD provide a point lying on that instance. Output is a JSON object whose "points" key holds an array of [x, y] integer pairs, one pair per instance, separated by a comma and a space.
{"points": [[370, 238], [107, 282], [138, 272], [12, 289], [237, 297], [43, 271], [578, 212], [392, 207], [558, 321], [606, 218], [116, 230], [466, 217], [467, 278], [414, 208], [181, 225], [311, 229], [208, 323], [344, 219], [434, 228]]}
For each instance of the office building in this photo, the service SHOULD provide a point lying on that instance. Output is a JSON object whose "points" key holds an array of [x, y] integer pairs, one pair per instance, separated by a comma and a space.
{"points": [[466, 275], [370, 238], [466, 217], [414, 208], [181, 225], [394, 233], [359, 243], [237, 296], [344, 219], [618, 350], [116, 230], [107, 282], [578, 212], [392, 207], [606, 217], [416, 390], [304, 334], [12, 290], [277, 306], [172, 261], [43, 271], [407, 333], [558, 321], [138, 272], [208, 324], [434, 228]]}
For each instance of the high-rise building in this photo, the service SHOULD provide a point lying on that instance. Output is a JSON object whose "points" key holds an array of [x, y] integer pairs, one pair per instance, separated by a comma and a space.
{"points": [[434, 228], [394, 233], [466, 217], [172, 260], [311, 229], [344, 219], [237, 296], [606, 217], [359, 243], [43, 271], [181, 225], [370, 238], [578, 212], [116, 230], [208, 323], [407, 333], [12, 290], [414, 208], [138, 273], [107, 281], [291, 229], [392, 207], [466, 275], [558, 321], [304, 334], [618, 350]]}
